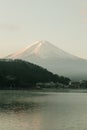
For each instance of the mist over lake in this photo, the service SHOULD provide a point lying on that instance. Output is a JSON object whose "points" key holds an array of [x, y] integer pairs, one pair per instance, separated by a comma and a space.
{"points": [[24, 110]]}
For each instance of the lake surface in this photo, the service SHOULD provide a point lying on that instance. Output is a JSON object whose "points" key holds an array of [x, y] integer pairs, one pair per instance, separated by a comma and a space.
{"points": [[23, 110]]}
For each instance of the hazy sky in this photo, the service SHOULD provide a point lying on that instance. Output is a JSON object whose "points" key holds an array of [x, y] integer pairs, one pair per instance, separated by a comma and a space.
{"points": [[62, 22]]}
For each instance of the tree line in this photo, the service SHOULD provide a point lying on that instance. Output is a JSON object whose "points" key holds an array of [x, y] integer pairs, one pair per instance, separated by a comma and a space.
{"points": [[18, 74]]}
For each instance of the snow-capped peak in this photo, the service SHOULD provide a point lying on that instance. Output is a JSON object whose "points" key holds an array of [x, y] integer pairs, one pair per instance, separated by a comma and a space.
{"points": [[36, 45], [42, 49]]}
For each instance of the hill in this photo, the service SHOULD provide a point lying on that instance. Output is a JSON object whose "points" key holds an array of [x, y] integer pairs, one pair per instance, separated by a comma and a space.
{"points": [[18, 74]]}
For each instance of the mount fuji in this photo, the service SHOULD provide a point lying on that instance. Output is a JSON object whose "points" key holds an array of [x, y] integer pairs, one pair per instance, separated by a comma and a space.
{"points": [[47, 55]]}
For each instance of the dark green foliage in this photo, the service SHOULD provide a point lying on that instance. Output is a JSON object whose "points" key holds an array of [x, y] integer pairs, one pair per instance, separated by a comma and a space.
{"points": [[64, 80], [18, 74]]}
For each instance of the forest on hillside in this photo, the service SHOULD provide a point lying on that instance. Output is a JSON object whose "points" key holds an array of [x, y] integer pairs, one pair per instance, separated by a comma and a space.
{"points": [[18, 74]]}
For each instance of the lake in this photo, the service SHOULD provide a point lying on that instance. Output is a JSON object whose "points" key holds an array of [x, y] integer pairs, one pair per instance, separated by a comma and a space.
{"points": [[23, 110]]}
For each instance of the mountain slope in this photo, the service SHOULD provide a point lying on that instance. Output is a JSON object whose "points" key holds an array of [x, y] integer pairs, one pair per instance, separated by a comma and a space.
{"points": [[43, 50], [18, 74], [54, 59]]}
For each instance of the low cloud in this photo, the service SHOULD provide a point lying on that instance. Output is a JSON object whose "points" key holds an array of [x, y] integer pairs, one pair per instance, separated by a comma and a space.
{"points": [[83, 12], [9, 27], [84, 21]]}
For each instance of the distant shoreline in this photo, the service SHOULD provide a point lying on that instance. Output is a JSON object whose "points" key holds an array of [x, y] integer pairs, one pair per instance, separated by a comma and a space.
{"points": [[48, 90], [61, 90]]}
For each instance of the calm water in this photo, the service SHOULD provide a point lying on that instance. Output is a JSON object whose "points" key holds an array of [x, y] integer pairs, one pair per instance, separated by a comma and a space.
{"points": [[42, 111]]}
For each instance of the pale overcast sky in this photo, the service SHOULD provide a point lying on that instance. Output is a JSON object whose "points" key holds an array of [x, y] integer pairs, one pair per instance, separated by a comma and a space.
{"points": [[61, 22]]}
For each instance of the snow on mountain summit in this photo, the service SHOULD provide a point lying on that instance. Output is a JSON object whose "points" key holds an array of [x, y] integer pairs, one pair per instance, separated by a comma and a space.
{"points": [[42, 49]]}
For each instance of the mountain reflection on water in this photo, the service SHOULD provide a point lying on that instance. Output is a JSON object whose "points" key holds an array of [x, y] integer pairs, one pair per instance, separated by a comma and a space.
{"points": [[20, 110], [19, 106], [24, 110], [19, 101]]}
